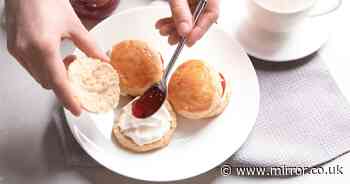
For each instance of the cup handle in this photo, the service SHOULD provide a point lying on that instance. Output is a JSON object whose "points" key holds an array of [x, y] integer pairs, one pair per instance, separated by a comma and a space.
{"points": [[327, 11]]}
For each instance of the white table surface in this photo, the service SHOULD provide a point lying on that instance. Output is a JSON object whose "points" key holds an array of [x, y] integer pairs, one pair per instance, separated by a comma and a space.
{"points": [[29, 144]]}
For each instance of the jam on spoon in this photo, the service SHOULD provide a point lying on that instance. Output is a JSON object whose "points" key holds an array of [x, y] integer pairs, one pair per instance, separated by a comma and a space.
{"points": [[149, 102], [152, 100]]}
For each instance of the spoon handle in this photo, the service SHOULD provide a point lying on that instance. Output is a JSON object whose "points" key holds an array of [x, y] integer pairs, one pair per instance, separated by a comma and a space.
{"points": [[197, 13]]}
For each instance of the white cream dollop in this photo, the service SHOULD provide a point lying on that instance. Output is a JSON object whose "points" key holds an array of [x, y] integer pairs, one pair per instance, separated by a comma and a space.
{"points": [[145, 131]]}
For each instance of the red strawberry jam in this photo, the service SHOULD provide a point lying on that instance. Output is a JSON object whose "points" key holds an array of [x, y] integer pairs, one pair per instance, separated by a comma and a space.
{"points": [[161, 58], [223, 83], [148, 103]]}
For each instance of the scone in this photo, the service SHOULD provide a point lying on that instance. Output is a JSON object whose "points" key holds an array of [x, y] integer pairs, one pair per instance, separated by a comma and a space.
{"points": [[95, 83], [143, 135], [138, 64], [197, 91]]}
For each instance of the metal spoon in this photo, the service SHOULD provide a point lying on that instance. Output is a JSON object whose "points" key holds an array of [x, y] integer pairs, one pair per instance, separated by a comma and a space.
{"points": [[197, 13], [151, 101]]}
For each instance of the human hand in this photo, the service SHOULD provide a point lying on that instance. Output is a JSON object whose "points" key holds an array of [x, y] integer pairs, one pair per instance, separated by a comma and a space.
{"points": [[35, 29], [181, 22]]}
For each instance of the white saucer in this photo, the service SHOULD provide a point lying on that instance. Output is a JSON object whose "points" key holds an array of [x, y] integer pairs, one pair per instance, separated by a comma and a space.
{"points": [[306, 39]]}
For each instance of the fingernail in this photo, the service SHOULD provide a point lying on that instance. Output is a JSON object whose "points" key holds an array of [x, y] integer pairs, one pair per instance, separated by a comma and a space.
{"points": [[105, 57], [76, 112], [184, 28], [68, 60], [190, 44]]}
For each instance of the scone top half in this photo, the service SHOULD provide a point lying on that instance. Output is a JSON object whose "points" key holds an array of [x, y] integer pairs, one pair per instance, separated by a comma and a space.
{"points": [[95, 83], [139, 66], [196, 90]]}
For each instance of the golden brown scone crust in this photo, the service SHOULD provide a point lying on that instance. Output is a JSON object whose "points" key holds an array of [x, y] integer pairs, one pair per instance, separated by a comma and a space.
{"points": [[126, 143], [139, 66], [195, 91], [190, 87]]}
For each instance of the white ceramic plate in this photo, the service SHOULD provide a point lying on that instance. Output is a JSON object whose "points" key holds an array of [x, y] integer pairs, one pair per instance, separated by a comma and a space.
{"points": [[197, 146]]}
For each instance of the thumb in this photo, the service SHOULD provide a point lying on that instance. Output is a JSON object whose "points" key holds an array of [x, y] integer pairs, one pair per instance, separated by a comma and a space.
{"points": [[182, 16], [85, 42], [58, 82]]}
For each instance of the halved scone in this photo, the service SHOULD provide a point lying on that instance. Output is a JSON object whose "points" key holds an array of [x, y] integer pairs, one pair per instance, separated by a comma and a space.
{"points": [[95, 83], [145, 142]]}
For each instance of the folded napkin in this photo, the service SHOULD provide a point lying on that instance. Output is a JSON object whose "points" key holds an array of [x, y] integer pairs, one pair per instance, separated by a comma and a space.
{"points": [[304, 119]]}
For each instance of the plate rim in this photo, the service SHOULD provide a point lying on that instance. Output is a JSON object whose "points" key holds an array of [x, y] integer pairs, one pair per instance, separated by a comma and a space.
{"points": [[91, 153]]}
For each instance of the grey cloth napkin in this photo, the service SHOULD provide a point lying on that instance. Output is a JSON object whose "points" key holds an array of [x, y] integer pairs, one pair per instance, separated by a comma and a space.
{"points": [[73, 153], [304, 119]]}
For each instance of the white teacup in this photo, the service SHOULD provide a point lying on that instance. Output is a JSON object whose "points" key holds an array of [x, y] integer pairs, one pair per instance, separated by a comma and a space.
{"points": [[284, 15]]}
